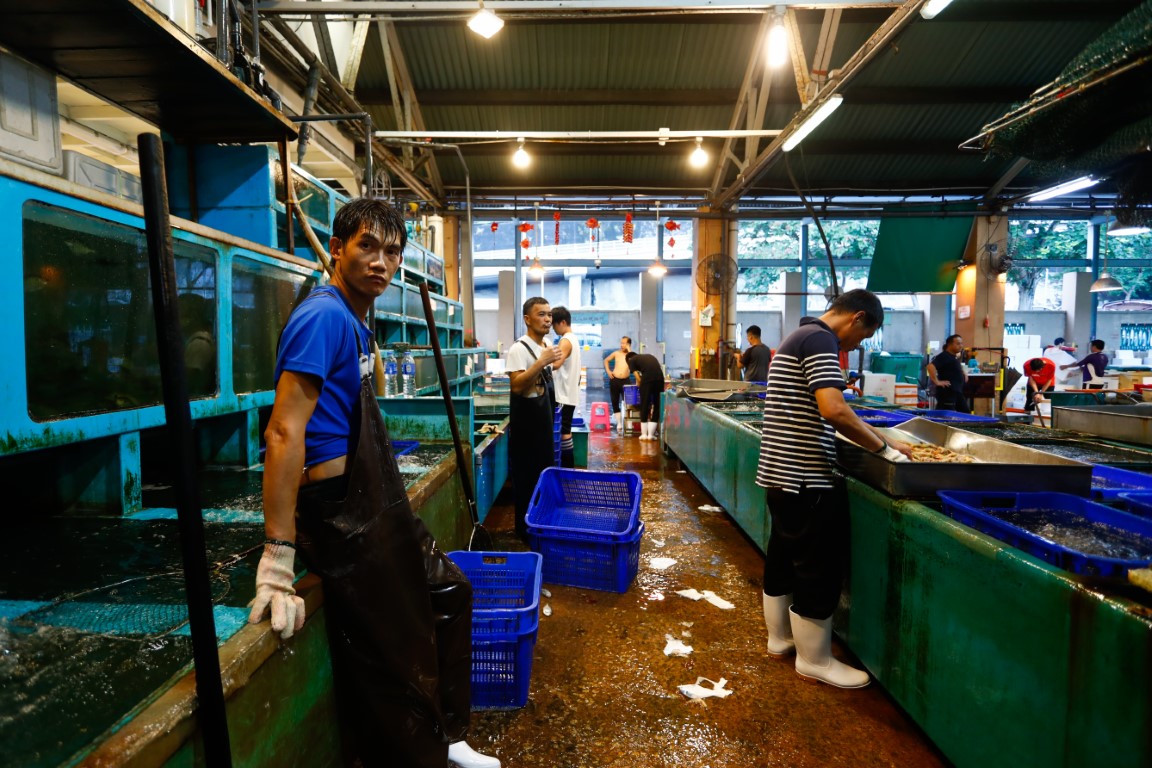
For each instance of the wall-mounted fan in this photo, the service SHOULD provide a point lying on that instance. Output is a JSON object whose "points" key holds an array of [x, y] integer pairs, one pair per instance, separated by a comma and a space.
{"points": [[992, 261], [716, 274]]}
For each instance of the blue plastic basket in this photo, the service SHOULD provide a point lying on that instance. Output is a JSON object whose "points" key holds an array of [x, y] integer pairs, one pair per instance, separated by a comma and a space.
{"points": [[505, 620], [945, 416], [631, 394], [505, 590], [603, 505], [577, 561], [1137, 502], [993, 513], [1108, 483]]}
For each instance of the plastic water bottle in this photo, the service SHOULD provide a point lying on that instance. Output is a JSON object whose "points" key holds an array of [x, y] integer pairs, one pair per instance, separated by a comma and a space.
{"points": [[391, 373], [407, 374]]}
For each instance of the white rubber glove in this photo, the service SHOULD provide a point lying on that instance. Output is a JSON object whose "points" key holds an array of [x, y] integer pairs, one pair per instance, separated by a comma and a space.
{"points": [[892, 454], [274, 591]]}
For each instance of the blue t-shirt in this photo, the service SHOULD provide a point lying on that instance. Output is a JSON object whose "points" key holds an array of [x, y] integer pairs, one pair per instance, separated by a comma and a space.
{"points": [[320, 340]]}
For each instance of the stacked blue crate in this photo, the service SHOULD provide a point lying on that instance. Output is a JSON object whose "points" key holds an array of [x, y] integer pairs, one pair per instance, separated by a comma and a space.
{"points": [[586, 525]]}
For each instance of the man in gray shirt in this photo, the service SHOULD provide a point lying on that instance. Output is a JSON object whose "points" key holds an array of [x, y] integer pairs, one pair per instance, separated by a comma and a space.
{"points": [[756, 358]]}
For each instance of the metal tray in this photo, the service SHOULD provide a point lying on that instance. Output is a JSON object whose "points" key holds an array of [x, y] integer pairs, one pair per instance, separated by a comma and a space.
{"points": [[1128, 423], [1000, 466]]}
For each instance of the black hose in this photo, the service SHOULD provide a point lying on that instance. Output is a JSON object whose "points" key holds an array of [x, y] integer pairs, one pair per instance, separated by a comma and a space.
{"points": [[178, 417]]}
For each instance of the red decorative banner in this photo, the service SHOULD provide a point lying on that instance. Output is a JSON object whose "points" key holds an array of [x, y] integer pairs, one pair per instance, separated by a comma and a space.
{"points": [[627, 228], [556, 236]]}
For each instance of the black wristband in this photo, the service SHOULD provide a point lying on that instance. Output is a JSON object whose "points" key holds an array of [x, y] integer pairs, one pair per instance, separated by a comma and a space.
{"points": [[280, 543], [883, 446]]}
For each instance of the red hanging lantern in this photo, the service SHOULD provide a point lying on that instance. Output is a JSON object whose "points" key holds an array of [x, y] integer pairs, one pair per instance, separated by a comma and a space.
{"points": [[671, 226], [495, 226], [592, 225], [526, 227], [627, 228], [556, 235], [671, 242], [525, 244]]}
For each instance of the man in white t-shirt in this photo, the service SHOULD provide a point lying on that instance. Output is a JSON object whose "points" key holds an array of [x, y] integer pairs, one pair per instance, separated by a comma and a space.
{"points": [[531, 440], [567, 380]]}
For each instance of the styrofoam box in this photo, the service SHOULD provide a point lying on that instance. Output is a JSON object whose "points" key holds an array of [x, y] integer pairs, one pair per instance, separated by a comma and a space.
{"points": [[30, 120]]}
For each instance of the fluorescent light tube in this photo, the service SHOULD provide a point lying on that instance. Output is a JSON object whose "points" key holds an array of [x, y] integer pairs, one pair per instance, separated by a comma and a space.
{"points": [[813, 120], [933, 7], [1063, 189]]}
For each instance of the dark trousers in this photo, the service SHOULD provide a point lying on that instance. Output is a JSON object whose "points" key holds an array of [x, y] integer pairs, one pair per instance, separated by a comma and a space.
{"points": [[808, 548], [949, 400], [616, 389], [650, 390]]}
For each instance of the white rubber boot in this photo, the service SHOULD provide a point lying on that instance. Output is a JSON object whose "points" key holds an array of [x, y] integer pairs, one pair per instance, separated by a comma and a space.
{"points": [[646, 430], [651, 430], [619, 422], [463, 756], [814, 659], [779, 626]]}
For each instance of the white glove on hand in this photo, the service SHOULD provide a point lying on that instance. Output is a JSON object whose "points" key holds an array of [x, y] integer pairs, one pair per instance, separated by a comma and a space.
{"points": [[892, 454], [274, 591]]}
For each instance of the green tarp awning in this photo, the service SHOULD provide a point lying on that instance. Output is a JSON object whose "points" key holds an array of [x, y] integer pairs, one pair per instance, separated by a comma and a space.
{"points": [[918, 255]]}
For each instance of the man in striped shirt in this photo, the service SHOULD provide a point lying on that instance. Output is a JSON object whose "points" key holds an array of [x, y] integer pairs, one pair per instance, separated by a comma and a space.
{"points": [[808, 548]]}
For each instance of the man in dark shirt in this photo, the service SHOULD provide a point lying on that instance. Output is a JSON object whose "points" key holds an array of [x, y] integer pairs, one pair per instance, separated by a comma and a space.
{"points": [[756, 359], [949, 376], [650, 374], [1092, 366]]}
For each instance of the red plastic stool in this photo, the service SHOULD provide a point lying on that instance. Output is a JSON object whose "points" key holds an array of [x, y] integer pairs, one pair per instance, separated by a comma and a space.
{"points": [[600, 417]]}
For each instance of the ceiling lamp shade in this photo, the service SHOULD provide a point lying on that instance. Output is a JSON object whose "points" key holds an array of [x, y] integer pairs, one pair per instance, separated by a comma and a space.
{"points": [[520, 158], [814, 119], [537, 269], [485, 23], [698, 158], [777, 43], [1105, 283], [1120, 228]]}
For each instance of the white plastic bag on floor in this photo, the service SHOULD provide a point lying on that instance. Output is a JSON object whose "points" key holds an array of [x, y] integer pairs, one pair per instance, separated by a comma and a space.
{"points": [[697, 691]]}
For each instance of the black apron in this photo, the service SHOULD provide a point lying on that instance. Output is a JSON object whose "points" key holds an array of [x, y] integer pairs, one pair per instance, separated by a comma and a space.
{"points": [[531, 443], [398, 611]]}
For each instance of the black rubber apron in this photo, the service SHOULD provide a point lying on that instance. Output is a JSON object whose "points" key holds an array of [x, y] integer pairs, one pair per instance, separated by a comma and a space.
{"points": [[531, 443], [399, 612]]}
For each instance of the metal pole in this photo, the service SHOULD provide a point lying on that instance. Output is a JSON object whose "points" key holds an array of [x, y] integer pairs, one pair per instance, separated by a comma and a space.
{"points": [[178, 417]]}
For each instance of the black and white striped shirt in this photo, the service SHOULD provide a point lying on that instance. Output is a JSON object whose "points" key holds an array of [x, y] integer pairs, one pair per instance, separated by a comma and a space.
{"points": [[797, 446]]}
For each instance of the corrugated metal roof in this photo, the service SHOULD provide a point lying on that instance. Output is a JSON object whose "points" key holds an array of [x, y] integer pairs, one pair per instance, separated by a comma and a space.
{"points": [[904, 115]]}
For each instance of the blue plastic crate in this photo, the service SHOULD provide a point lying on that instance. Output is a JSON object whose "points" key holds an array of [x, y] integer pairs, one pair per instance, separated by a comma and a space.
{"points": [[505, 620], [401, 447], [1020, 519], [631, 394], [502, 671], [880, 418], [505, 590], [1108, 483], [603, 505], [576, 561]]}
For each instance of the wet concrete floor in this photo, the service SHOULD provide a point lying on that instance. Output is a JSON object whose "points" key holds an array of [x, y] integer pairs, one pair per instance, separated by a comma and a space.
{"points": [[604, 695]]}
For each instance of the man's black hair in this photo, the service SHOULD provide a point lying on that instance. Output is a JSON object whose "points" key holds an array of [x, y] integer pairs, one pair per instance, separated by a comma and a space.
{"points": [[754, 330], [1059, 341], [1036, 364], [860, 300], [628, 357], [1098, 343], [627, 339], [950, 339], [376, 213], [533, 302], [561, 315]]}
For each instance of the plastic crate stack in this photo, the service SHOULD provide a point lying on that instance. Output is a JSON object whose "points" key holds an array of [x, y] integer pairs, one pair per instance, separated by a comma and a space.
{"points": [[586, 525], [505, 620], [556, 437]]}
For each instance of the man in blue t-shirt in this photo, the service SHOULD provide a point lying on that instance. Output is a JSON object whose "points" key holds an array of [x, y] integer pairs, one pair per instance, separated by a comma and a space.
{"points": [[313, 445], [1091, 365]]}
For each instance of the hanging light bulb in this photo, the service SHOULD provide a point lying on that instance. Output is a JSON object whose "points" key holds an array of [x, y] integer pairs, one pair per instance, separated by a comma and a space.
{"points": [[485, 23], [537, 269], [520, 158], [778, 41], [698, 158], [657, 268]]}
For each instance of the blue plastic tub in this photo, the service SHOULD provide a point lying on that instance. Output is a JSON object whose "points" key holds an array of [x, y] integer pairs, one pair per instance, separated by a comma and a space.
{"points": [[945, 416], [631, 394], [880, 418], [604, 505], [1108, 483], [1037, 523], [577, 561], [505, 620], [1137, 502], [401, 447]]}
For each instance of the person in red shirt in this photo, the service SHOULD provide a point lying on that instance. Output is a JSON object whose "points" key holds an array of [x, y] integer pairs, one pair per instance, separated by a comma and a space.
{"points": [[1041, 374]]}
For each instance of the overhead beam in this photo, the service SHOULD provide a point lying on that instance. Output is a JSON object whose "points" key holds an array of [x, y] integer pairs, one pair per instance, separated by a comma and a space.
{"points": [[389, 7], [554, 97], [401, 80], [355, 55]]}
